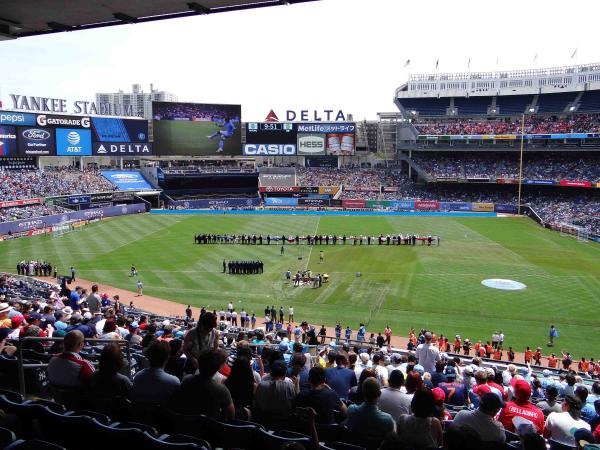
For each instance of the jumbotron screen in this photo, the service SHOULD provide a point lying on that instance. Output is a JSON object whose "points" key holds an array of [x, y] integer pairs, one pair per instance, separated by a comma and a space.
{"points": [[196, 129]]}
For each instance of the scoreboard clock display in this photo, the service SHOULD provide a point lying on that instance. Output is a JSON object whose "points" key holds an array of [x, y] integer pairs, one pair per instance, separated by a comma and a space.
{"points": [[271, 133]]}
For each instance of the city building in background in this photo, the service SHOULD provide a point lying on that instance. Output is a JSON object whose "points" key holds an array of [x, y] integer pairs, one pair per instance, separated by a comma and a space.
{"points": [[140, 101]]}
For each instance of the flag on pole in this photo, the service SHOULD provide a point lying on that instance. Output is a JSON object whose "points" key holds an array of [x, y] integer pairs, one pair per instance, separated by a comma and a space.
{"points": [[574, 54], [437, 63], [407, 63], [469, 63], [535, 58]]}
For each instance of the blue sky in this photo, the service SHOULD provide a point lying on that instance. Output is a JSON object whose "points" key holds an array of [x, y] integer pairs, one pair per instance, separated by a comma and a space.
{"points": [[333, 54]]}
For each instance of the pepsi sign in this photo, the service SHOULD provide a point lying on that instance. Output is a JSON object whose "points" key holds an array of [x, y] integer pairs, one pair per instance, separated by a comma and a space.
{"points": [[36, 141]]}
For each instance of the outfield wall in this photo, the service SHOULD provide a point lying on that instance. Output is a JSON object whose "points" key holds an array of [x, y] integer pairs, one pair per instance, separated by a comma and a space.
{"points": [[87, 214], [297, 212]]}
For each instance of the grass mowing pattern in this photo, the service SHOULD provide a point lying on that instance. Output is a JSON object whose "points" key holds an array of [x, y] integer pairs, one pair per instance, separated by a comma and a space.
{"points": [[433, 287]]}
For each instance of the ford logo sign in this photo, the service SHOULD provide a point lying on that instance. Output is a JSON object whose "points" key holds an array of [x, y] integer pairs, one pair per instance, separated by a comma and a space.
{"points": [[36, 135]]}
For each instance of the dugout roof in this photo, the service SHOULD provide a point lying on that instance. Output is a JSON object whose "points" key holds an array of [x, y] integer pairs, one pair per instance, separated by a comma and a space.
{"points": [[21, 18]]}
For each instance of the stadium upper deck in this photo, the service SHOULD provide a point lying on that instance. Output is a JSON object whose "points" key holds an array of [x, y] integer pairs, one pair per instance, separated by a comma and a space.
{"points": [[556, 90]]}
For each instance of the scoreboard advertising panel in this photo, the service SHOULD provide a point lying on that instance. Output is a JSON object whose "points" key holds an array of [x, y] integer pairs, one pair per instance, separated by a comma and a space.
{"points": [[299, 139], [26, 134], [196, 129]]}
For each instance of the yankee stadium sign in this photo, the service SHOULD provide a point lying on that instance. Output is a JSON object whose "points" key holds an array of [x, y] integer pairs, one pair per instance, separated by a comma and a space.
{"points": [[59, 105]]}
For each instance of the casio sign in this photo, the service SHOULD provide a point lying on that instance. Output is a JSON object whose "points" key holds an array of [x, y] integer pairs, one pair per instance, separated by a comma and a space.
{"points": [[270, 149], [36, 135]]}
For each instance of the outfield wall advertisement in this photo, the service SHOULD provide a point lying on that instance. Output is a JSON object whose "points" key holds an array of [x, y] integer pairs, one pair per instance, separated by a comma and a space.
{"points": [[216, 203], [127, 180], [88, 214]]}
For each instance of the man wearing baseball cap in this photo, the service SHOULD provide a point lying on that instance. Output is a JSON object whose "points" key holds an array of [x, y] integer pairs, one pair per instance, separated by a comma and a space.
{"points": [[521, 407], [561, 426], [5, 321], [428, 354], [482, 419]]}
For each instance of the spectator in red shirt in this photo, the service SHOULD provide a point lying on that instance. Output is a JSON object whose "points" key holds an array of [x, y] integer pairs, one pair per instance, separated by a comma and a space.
{"points": [[69, 369], [522, 407]]}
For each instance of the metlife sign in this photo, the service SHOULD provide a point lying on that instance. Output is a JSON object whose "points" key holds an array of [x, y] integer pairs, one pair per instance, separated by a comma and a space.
{"points": [[122, 148], [270, 149], [311, 144], [73, 142], [36, 141]]}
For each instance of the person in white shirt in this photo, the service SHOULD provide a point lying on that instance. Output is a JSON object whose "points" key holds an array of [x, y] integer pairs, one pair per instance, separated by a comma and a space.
{"points": [[230, 307], [559, 425], [428, 354], [380, 369], [234, 316], [395, 360], [363, 363], [393, 401], [291, 314]]}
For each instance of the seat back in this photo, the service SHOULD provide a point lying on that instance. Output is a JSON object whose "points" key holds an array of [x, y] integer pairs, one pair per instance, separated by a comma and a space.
{"points": [[554, 445], [229, 435], [274, 442], [6, 437], [34, 444], [67, 430], [151, 443], [182, 438]]}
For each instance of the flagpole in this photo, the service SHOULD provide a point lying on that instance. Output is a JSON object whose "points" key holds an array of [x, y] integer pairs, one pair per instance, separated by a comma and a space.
{"points": [[521, 164]]}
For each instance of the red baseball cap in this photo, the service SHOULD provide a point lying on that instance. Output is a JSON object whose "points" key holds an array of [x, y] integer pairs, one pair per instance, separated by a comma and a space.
{"points": [[438, 394], [522, 390]]}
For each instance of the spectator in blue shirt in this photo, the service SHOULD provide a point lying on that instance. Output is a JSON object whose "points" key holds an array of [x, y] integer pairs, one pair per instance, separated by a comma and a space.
{"points": [[154, 385], [340, 378], [75, 299], [367, 418]]}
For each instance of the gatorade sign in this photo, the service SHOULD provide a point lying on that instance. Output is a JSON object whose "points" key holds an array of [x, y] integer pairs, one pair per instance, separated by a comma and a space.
{"points": [[311, 144]]}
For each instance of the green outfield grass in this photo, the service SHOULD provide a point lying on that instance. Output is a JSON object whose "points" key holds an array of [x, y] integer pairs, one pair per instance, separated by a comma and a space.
{"points": [[438, 288], [185, 138]]}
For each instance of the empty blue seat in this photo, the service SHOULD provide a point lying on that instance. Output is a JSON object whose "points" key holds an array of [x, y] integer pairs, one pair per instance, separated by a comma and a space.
{"points": [[6, 437], [34, 444], [275, 441]]}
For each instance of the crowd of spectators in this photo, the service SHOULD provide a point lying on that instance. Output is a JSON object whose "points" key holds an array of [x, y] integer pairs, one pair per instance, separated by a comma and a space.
{"points": [[353, 178], [423, 398], [536, 166], [31, 211], [534, 124], [20, 184]]}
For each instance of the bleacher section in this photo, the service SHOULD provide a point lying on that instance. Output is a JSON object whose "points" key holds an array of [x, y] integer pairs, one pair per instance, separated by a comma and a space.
{"points": [[590, 101], [472, 105], [426, 106], [513, 104], [555, 103]]}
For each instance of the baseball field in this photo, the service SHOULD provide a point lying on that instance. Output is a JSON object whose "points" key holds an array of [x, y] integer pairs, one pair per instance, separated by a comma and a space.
{"points": [[433, 287]]}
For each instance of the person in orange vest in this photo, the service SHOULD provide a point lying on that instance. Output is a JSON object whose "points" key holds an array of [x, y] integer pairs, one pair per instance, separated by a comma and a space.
{"points": [[443, 344], [477, 346], [537, 356], [528, 355], [457, 344], [387, 332], [552, 361], [497, 353], [488, 349], [583, 365], [481, 353], [592, 368]]}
